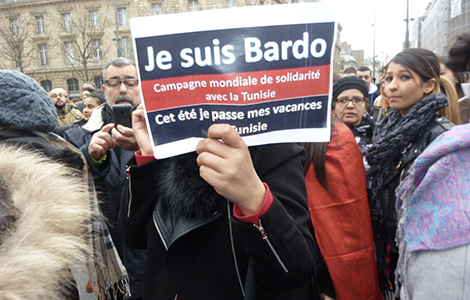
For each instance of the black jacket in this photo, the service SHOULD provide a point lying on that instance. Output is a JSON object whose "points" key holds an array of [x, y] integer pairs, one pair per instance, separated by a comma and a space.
{"points": [[197, 249], [401, 170]]}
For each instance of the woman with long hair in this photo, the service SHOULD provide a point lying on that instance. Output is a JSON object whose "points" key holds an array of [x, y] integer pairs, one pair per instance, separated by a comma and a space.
{"points": [[412, 84], [453, 92], [339, 209], [438, 186], [460, 81]]}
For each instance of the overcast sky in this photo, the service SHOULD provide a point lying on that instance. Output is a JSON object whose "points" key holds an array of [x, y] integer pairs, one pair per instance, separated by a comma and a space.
{"points": [[357, 17]]}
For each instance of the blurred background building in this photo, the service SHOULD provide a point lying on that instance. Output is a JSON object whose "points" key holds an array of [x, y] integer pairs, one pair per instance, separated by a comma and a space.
{"points": [[441, 21], [63, 44]]}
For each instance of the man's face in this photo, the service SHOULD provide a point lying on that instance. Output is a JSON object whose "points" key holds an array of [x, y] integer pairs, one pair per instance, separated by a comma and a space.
{"points": [[58, 97], [121, 93], [365, 75]]}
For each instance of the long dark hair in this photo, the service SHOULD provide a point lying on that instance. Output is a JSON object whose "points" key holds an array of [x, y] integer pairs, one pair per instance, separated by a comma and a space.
{"points": [[316, 153], [458, 59]]}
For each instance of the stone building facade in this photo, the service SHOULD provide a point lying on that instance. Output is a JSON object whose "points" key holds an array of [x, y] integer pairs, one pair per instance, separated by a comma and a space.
{"points": [[63, 44], [441, 21]]}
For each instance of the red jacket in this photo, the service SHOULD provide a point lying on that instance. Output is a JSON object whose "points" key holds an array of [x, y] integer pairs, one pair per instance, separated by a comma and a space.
{"points": [[342, 219]]}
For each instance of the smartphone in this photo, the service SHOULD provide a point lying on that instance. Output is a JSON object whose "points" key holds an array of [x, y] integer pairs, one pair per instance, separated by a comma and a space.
{"points": [[123, 115]]}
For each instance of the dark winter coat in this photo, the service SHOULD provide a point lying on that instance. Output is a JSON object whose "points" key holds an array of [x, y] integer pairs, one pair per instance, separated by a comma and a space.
{"points": [[197, 249], [432, 130], [109, 182]]}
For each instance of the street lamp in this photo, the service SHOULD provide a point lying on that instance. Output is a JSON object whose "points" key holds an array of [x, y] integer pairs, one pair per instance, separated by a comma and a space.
{"points": [[407, 20], [118, 39], [373, 50]]}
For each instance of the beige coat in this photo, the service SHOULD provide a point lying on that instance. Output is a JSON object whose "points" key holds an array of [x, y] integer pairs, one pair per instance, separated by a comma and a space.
{"points": [[69, 115]]}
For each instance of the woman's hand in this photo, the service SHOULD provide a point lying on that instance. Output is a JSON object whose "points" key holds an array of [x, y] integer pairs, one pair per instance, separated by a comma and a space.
{"points": [[225, 163], [140, 131]]}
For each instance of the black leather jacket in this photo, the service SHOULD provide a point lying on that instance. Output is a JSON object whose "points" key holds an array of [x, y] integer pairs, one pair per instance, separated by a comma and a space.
{"points": [[402, 168], [199, 252]]}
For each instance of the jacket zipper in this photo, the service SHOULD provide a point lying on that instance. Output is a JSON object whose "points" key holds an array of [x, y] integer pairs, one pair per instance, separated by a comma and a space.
{"points": [[159, 232], [264, 236], [232, 243], [128, 171]]}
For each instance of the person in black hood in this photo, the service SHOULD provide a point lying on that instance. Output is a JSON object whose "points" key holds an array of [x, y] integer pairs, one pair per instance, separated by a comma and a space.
{"points": [[351, 105]]}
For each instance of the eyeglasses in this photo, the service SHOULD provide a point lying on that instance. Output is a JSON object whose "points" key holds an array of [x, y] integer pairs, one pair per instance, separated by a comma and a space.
{"points": [[58, 95], [114, 83], [345, 101]]}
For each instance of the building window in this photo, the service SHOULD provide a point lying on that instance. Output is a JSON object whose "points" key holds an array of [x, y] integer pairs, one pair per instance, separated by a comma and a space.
{"points": [[69, 53], [157, 9], [122, 12], [73, 86], [231, 3], [67, 22], [14, 27], [40, 24], [193, 5], [94, 18], [16, 56], [46, 85], [98, 81], [97, 53], [125, 47], [43, 55]]}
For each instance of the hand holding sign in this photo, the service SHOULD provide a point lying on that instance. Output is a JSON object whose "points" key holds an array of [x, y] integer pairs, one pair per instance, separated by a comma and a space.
{"points": [[226, 165], [268, 77], [141, 132]]}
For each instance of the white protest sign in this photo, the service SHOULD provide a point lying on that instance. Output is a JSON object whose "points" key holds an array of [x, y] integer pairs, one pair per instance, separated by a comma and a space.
{"points": [[265, 70]]}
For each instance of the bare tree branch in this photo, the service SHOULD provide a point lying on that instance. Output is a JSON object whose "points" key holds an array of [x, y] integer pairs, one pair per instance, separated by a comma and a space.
{"points": [[83, 33], [15, 42]]}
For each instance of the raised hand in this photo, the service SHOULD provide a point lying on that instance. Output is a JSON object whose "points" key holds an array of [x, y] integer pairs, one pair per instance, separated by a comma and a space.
{"points": [[225, 163]]}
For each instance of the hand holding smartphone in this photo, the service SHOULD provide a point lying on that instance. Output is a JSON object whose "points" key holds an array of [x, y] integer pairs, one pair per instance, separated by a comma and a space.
{"points": [[122, 115]]}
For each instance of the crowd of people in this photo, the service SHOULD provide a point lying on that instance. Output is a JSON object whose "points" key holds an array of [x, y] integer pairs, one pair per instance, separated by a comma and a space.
{"points": [[381, 211]]}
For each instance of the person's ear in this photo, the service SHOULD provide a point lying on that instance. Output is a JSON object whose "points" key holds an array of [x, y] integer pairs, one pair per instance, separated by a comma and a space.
{"points": [[430, 85]]}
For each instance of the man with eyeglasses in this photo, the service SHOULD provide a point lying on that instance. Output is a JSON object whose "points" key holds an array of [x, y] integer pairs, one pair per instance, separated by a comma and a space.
{"points": [[67, 115], [107, 150]]}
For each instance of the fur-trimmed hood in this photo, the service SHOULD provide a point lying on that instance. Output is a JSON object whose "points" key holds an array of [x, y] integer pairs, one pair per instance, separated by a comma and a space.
{"points": [[44, 213], [182, 190]]}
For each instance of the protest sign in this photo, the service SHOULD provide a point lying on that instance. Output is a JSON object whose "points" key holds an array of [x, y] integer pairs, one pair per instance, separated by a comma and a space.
{"points": [[265, 70]]}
